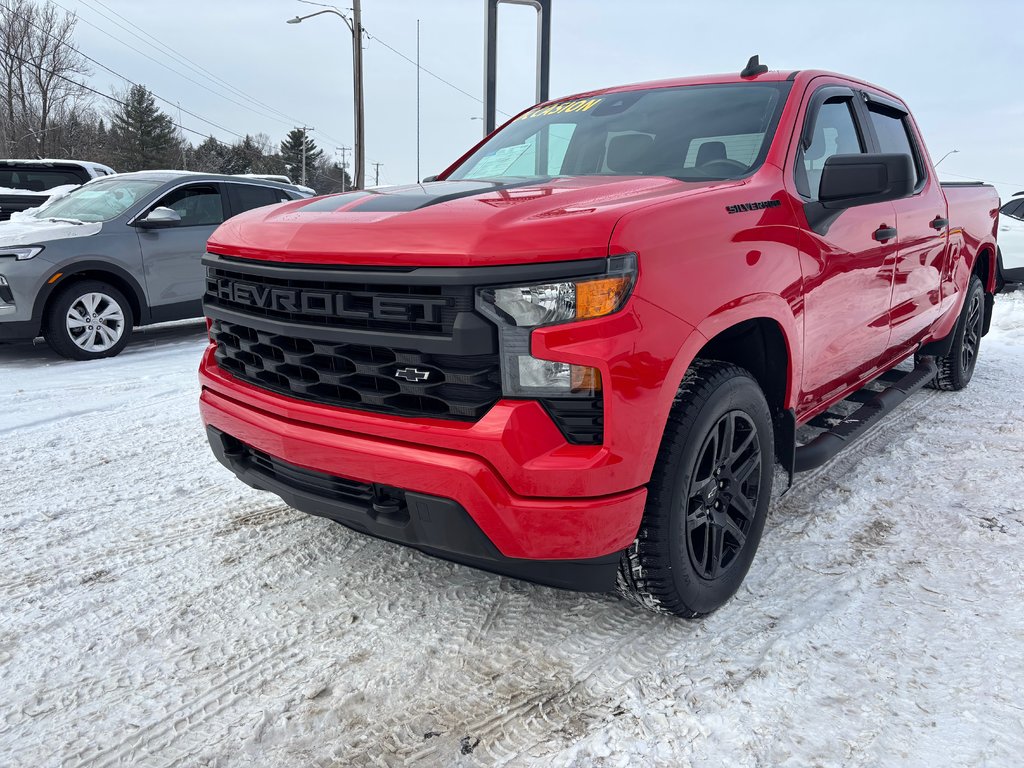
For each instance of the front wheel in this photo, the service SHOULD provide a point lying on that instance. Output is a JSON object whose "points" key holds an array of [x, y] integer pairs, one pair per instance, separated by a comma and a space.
{"points": [[708, 496], [88, 320]]}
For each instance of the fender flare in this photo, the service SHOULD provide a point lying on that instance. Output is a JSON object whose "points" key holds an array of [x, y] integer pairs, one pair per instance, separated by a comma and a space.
{"points": [[758, 306]]}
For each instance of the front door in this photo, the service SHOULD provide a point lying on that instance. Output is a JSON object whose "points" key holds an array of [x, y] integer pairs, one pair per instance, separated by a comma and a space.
{"points": [[847, 264], [171, 256]]}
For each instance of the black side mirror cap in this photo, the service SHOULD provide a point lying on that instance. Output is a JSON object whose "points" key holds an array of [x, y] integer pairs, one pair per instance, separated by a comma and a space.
{"points": [[862, 179]]}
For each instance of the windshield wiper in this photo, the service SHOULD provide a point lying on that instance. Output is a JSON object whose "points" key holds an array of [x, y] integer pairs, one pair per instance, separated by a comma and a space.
{"points": [[60, 220]]}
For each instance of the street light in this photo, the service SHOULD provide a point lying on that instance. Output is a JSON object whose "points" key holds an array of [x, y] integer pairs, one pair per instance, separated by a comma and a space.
{"points": [[951, 152], [356, 28]]}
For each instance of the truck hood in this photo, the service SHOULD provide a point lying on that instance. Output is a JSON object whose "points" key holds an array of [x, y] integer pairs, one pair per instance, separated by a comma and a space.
{"points": [[28, 230], [449, 223]]}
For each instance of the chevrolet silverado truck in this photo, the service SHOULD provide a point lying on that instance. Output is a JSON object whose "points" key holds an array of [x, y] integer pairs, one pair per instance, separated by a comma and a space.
{"points": [[578, 355]]}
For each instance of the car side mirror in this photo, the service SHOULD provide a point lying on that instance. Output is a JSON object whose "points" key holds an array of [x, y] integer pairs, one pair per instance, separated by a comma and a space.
{"points": [[428, 179], [159, 218], [850, 180]]}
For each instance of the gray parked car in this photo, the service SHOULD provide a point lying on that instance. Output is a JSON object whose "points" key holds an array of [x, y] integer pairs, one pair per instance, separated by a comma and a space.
{"points": [[115, 253]]}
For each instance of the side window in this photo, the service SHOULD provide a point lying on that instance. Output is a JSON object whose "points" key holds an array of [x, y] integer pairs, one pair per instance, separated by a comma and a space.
{"points": [[197, 204], [245, 197], [894, 135], [835, 133]]}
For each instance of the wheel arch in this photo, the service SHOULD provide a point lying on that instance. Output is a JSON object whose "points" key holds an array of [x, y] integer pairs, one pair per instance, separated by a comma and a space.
{"points": [[95, 270], [760, 335]]}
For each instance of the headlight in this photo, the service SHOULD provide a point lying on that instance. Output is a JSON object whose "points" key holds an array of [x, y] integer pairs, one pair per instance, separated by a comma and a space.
{"points": [[21, 252], [520, 308]]}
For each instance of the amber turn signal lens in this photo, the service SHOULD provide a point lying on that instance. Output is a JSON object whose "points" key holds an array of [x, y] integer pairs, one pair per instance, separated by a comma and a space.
{"points": [[597, 298], [584, 379]]}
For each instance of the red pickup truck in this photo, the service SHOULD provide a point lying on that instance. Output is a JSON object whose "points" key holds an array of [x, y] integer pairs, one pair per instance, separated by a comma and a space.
{"points": [[577, 356]]}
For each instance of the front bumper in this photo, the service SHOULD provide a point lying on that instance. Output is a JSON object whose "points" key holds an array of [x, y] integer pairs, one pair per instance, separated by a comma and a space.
{"points": [[435, 525], [515, 529]]}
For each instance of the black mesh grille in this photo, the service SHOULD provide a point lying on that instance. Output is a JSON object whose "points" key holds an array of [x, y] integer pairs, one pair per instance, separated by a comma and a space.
{"points": [[581, 421], [431, 309], [375, 378]]}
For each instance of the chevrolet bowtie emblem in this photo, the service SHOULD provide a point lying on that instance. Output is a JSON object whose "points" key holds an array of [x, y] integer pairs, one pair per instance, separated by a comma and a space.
{"points": [[412, 374]]}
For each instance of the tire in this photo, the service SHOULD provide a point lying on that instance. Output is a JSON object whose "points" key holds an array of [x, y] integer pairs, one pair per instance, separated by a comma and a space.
{"points": [[957, 368], [670, 567], [88, 320]]}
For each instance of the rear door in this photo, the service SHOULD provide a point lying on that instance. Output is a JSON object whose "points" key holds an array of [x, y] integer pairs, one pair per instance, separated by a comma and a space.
{"points": [[922, 225], [172, 256], [847, 269]]}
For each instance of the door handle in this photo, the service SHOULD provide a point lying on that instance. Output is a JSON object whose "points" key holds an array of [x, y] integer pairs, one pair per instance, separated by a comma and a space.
{"points": [[938, 223], [884, 233]]}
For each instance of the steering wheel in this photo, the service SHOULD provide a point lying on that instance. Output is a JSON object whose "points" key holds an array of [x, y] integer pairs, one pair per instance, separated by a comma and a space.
{"points": [[729, 167]]}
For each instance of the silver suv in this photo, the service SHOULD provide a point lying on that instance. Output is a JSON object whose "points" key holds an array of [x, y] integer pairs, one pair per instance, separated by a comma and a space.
{"points": [[118, 252]]}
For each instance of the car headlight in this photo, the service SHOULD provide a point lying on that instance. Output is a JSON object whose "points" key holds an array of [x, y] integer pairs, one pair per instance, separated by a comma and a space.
{"points": [[21, 252], [518, 309]]}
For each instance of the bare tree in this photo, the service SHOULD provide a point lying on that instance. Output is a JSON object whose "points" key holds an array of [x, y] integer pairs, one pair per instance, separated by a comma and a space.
{"points": [[39, 75]]}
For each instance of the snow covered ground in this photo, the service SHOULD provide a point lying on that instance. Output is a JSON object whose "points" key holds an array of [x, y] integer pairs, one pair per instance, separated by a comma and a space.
{"points": [[157, 612]]}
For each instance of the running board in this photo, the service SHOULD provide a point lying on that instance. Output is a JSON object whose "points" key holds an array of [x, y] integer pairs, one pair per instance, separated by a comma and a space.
{"points": [[828, 444]]}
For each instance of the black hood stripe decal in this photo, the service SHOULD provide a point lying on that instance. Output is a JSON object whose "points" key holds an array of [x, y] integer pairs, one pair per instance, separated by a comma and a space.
{"points": [[416, 196]]}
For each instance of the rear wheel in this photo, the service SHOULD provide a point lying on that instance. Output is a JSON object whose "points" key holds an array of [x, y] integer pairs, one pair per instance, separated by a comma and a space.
{"points": [[957, 368], [88, 320], [708, 497]]}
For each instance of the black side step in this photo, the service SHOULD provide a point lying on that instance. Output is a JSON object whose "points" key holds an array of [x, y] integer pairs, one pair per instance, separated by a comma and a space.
{"points": [[828, 444]]}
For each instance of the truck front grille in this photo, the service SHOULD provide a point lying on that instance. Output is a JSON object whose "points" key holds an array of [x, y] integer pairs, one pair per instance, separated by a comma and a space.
{"points": [[340, 303], [374, 378]]}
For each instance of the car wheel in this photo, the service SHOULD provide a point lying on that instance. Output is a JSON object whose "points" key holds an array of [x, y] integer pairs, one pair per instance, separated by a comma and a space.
{"points": [[88, 320], [708, 496], [957, 368]]}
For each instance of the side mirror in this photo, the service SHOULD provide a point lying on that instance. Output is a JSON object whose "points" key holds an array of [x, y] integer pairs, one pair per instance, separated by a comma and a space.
{"points": [[159, 218], [850, 180], [428, 179]]}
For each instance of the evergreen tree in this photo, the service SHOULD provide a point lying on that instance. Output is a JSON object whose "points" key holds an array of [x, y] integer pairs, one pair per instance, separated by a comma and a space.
{"points": [[208, 157], [243, 156], [141, 136], [291, 153], [327, 177]]}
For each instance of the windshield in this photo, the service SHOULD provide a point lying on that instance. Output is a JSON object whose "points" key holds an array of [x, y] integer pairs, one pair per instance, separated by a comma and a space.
{"points": [[100, 200], [694, 132]]}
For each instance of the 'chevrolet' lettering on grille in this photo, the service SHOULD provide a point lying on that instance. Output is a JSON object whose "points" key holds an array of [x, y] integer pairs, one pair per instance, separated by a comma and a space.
{"points": [[350, 304]]}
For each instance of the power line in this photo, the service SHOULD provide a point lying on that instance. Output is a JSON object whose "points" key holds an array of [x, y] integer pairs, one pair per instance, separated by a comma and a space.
{"points": [[169, 68], [100, 93], [198, 68], [184, 60], [116, 74], [432, 74]]}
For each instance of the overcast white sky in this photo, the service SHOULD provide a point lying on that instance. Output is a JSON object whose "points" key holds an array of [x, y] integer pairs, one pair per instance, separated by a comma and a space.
{"points": [[956, 63]]}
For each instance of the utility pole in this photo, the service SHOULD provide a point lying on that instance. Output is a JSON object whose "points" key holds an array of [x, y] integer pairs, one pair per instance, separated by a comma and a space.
{"points": [[376, 174], [418, 177], [304, 140], [355, 26], [359, 153], [344, 165]]}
